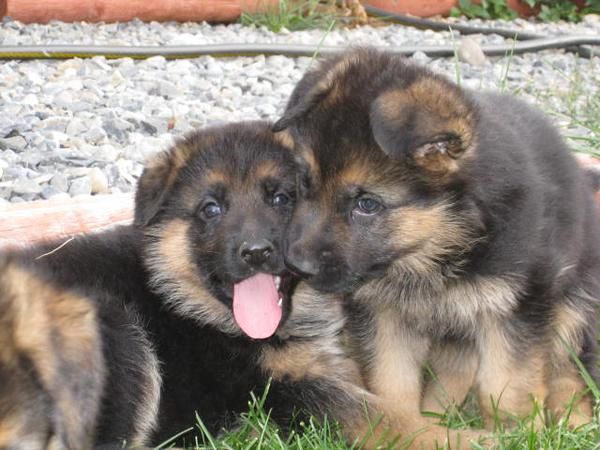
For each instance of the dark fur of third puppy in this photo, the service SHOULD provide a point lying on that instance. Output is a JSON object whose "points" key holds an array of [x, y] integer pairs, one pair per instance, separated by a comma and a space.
{"points": [[120, 338], [460, 230]]}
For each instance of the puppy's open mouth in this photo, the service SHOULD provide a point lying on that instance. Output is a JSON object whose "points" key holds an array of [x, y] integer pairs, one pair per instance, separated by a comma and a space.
{"points": [[258, 304]]}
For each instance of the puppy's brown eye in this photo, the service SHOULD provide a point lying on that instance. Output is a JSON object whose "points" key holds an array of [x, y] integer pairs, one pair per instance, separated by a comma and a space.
{"points": [[211, 209], [367, 206], [280, 199]]}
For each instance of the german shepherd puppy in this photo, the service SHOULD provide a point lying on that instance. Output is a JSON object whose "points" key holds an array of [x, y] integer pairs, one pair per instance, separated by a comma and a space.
{"points": [[119, 338], [459, 228]]}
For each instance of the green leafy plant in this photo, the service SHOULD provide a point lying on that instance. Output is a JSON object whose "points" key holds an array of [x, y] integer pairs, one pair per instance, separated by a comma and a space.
{"points": [[486, 9], [548, 10], [553, 10], [560, 10], [295, 16]]}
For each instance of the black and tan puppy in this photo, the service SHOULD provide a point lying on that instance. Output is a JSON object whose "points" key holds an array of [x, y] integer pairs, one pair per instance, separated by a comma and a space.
{"points": [[458, 227], [120, 338], [52, 369]]}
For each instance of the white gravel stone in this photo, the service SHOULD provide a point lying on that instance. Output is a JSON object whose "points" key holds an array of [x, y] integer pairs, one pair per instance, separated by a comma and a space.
{"points": [[81, 186], [592, 19], [168, 89], [98, 180], [105, 153], [50, 192], [55, 124], [76, 127], [60, 182], [470, 51], [63, 99], [26, 186], [95, 135], [17, 143], [30, 100], [155, 126]]}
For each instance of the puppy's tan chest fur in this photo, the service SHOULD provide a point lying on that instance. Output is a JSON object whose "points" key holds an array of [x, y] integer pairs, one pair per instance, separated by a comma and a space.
{"points": [[437, 306]]}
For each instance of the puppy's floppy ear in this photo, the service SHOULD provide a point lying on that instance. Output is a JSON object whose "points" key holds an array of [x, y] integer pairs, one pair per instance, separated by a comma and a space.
{"points": [[156, 181], [152, 188], [430, 122]]}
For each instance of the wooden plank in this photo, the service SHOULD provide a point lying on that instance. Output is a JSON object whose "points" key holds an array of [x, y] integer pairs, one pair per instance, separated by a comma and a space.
{"points": [[43, 11], [26, 223]]}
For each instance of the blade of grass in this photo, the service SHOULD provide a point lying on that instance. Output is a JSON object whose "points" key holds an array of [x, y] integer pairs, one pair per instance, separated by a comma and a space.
{"points": [[174, 438]]}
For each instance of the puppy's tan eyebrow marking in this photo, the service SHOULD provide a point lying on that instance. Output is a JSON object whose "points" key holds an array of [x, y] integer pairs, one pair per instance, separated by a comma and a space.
{"points": [[267, 169], [216, 177], [362, 176], [284, 138], [308, 156], [356, 174], [210, 180]]}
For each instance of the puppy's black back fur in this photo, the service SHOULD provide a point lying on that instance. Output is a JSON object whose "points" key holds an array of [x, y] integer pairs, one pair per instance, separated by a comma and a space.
{"points": [[201, 369]]}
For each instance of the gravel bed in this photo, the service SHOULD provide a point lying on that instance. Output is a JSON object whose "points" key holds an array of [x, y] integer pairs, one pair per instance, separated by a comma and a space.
{"points": [[171, 33], [81, 127]]}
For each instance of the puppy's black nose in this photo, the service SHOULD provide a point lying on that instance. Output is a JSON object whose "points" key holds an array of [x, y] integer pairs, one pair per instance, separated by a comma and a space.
{"points": [[299, 263], [256, 253], [304, 269]]}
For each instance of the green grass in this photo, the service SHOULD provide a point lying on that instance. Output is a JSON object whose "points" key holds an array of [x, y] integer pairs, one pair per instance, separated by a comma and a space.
{"points": [[256, 431], [588, 118], [576, 109], [295, 15], [574, 106]]}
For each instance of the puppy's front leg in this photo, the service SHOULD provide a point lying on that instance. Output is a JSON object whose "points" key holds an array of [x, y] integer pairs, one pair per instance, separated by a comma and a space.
{"points": [[360, 414], [316, 377], [510, 377], [454, 366], [394, 358]]}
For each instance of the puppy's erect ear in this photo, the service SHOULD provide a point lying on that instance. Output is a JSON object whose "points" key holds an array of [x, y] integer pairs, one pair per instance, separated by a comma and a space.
{"points": [[157, 179], [303, 107], [315, 87], [430, 122]]}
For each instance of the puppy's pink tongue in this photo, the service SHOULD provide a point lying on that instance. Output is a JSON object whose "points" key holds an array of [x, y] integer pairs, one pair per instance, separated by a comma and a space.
{"points": [[255, 306]]}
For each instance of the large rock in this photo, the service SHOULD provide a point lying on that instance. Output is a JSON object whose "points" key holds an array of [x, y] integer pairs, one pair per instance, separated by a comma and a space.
{"points": [[470, 52]]}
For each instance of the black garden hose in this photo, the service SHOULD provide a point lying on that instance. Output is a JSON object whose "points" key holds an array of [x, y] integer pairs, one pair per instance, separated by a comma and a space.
{"points": [[436, 25], [231, 50], [463, 29]]}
